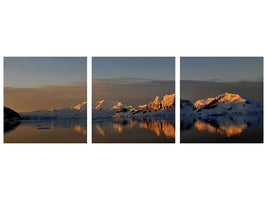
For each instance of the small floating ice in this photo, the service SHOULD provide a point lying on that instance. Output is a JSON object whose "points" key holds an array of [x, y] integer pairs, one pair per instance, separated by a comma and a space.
{"points": [[44, 128]]}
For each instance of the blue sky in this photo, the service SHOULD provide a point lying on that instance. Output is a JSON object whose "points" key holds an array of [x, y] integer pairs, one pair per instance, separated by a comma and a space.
{"points": [[28, 72], [153, 68], [226, 69]]}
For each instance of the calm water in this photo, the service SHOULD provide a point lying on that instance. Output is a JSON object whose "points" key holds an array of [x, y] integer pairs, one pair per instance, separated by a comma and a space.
{"points": [[46, 131], [222, 129], [133, 131]]}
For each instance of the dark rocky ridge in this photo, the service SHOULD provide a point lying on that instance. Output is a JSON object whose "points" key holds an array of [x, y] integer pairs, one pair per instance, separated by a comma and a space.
{"points": [[10, 115]]}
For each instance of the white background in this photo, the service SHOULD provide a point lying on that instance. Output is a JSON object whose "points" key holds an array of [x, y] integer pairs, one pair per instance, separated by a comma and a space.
{"points": [[132, 28]]}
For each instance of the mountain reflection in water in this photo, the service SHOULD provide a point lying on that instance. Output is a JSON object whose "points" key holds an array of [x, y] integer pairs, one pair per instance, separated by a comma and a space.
{"points": [[224, 130], [133, 130], [234, 128], [48, 131]]}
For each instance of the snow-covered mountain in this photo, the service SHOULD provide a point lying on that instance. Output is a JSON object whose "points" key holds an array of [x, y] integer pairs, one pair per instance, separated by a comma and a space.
{"points": [[78, 111], [226, 103], [154, 109], [109, 105]]}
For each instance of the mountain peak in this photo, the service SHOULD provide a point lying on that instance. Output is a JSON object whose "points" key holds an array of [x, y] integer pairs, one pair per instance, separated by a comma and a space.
{"points": [[225, 97], [119, 105], [81, 106], [154, 105], [98, 107], [226, 103], [118, 109], [168, 101]]}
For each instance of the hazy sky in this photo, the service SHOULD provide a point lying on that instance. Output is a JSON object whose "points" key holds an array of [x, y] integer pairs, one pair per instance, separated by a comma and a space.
{"points": [[203, 77], [132, 80], [32, 83], [153, 68]]}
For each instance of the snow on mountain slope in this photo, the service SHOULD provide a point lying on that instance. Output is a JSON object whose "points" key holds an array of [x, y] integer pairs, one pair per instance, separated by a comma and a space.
{"points": [[154, 105], [226, 98], [152, 109], [108, 105], [168, 101], [82, 106], [226, 103], [98, 107], [105, 109], [79, 111]]}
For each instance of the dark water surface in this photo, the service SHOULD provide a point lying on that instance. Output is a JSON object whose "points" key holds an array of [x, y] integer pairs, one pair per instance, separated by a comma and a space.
{"points": [[133, 131], [46, 131], [222, 129]]}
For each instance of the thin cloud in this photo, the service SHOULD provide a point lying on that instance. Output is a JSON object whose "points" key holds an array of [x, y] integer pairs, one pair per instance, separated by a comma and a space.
{"points": [[217, 80]]}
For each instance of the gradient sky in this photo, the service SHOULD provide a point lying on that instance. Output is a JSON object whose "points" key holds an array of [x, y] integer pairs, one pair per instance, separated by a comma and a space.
{"points": [[152, 68], [203, 77], [225, 69], [32, 83], [34, 71], [132, 80]]}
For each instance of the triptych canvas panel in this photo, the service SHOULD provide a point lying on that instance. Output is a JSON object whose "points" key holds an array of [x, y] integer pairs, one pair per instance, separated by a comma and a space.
{"points": [[133, 100]]}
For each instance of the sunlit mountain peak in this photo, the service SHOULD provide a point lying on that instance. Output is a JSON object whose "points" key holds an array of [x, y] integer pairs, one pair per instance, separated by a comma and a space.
{"points": [[81, 106], [110, 105], [118, 109], [142, 106], [119, 105], [226, 103], [98, 107], [226, 98], [168, 101], [202, 102], [154, 105]]}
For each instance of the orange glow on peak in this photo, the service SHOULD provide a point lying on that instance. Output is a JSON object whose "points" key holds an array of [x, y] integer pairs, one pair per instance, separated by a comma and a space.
{"points": [[99, 104], [119, 105]]}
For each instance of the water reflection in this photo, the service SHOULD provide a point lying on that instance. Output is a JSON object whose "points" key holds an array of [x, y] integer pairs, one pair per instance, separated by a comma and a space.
{"points": [[134, 130], [80, 129], [157, 126], [9, 126], [47, 131], [235, 126], [100, 130], [211, 127], [165, 127]]}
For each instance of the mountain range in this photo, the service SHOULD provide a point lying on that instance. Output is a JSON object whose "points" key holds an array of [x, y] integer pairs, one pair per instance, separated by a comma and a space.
{"points": [[78, 111], [154, 109], [223, 104]]}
